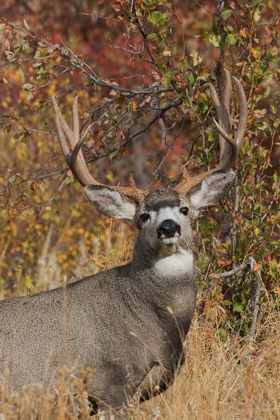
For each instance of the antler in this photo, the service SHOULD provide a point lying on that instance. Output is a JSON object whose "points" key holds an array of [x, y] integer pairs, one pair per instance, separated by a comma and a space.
{"points": [[71, 143], [229, 147]]}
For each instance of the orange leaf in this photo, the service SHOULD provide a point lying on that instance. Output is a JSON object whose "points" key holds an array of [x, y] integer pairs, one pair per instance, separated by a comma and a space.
{"points": [[256, 54], [268, 31], [256, 267], [222, 262], [214, 276]]}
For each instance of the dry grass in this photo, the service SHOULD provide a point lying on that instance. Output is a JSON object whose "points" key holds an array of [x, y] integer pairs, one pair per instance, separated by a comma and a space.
{"points": [[218, 381]]}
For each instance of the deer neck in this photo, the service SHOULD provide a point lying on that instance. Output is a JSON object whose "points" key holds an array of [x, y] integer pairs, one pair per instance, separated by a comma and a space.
{"points": [[166, 283], [163, 263]]}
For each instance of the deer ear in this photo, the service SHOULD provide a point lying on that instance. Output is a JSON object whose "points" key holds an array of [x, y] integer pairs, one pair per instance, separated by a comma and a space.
{"points": [[111, 202], [212, 188]]}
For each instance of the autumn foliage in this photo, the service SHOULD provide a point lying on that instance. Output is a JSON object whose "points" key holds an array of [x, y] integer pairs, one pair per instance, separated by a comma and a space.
{"points": [[141, 70]]}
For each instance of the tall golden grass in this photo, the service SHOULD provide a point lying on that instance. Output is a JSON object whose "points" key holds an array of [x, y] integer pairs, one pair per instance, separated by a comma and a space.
{"points": [[222, 378]]}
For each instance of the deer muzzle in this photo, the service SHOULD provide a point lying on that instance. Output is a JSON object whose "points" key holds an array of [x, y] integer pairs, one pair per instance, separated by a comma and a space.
{"points": [[168, 229]]}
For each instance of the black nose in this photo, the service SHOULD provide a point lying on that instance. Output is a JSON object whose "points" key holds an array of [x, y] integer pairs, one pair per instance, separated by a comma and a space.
{"points": [[168, 228]]}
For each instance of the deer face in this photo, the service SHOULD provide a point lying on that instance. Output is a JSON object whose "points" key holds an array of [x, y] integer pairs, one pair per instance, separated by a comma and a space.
{"points": [[163, 219], [164, 216]]}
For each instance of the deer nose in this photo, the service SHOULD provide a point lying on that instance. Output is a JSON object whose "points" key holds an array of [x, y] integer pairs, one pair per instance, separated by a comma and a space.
{"points": [[168, 229]]}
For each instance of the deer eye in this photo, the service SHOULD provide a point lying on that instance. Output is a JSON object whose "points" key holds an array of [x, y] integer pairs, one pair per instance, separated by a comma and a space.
{"points": [[184, 211], [144, 217]]}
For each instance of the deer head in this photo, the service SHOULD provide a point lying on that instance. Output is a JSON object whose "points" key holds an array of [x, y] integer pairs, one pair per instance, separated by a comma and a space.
{"points": [[192, 192]]}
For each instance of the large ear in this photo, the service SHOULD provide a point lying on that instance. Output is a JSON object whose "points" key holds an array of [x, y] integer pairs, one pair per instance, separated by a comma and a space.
{"points": [[110, 202], [212, 188]]}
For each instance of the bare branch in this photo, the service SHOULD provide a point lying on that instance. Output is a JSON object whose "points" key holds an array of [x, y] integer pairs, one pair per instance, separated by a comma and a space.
{"points": [[255, 290], [49, 203]]}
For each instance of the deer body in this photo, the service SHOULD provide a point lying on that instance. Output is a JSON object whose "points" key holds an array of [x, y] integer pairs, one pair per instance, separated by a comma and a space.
{"points": [[128, 323], [117, 323]]}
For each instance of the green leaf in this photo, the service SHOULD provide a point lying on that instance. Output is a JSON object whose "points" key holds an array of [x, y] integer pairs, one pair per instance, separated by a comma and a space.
{"points": [[161, 68], [266, 92], [152, 36], [197, 59], [276, 123], [226, 14], [158, 18], [214, 39], [29, 96], [238, 307], [262, 125], [167, 79], [230, 39], [257, 15], [27, 86]]}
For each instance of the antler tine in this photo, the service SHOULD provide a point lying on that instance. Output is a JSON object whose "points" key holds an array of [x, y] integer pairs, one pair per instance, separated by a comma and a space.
{"points": [[61, 137], [229, 160], [229, 147], [228, 90], [243, 114], [77, 162], [76, 124], [71, 143], [223, 110]]}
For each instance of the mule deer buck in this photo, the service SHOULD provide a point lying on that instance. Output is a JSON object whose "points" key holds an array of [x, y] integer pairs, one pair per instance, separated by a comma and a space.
{"points": [[128, 323]]}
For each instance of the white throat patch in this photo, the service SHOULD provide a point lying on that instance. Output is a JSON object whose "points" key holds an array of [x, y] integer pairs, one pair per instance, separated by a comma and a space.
{"points": [[179, 263]]}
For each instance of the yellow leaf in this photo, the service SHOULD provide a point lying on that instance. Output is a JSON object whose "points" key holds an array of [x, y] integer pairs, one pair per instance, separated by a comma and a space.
{"points": [[134, 105], [257, 231]]}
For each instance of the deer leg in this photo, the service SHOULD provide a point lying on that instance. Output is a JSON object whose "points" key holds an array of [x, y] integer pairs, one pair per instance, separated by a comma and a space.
{"points": [[112, 397], [105, 414], [156, 381]]}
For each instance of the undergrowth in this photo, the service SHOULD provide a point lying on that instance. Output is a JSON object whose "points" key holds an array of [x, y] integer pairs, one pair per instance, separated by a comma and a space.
{"points": [[222, 378]]}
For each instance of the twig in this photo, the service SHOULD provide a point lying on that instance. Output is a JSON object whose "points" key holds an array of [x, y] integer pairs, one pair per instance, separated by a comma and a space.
{"points": [[232, 272], [35, 177], [54, 197], [255, 291]]}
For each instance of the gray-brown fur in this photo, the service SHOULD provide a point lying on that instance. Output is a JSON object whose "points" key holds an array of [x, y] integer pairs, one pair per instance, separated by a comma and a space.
{"points": [[128, 323]]}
